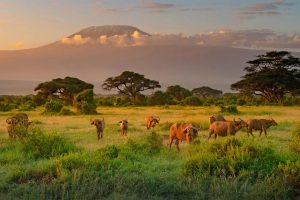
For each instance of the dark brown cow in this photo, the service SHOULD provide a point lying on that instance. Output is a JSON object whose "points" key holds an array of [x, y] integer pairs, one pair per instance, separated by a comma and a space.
{"points": [[260, 125]]}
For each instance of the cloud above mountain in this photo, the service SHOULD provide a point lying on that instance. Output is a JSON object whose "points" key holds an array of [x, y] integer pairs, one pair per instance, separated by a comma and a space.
{"points": [[254, 39], [263, 9]]}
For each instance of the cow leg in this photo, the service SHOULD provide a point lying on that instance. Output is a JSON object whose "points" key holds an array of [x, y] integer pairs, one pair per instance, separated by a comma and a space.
{"points": [[260, 132], [171, 141], [265, 131], [209, 134], [98, 134], [177, 145], [215, 136], [251, 132]]}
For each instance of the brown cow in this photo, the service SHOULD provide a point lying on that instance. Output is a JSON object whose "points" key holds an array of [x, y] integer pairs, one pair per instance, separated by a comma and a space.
{"points": [[214, 118], [182, 132], [100, 125], [227, 128], [17, 123], [124, 127], [260, 125], [151, 121]]}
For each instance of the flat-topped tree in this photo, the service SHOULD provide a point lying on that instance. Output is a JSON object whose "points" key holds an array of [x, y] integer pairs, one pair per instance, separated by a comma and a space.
{"points": [[130, 84], [271, 76], [64, 89], [205, 92]]}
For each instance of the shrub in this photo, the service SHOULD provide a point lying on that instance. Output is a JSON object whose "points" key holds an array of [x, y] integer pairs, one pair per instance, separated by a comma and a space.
{"points": [[42, 172], [151, 144], [53, 106], [40, 145], [109, 152], [193, 101], [84, 102], [27, 106], [229, 109], [5, 106]]}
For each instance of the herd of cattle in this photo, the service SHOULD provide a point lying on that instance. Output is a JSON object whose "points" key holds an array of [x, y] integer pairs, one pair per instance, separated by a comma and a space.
{"points": [[219, 126]]}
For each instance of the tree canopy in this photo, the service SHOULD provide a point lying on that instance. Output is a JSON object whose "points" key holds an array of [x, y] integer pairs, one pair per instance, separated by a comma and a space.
{"points": [[205, 92], [130, 84], [271, 76], [177, 92], [64, 89]]}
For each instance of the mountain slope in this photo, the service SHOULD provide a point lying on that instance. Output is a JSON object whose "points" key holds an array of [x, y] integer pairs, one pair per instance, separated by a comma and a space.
{"points": [[187, 65]]}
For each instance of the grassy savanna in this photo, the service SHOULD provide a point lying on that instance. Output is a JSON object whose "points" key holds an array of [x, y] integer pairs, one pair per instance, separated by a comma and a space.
{"points": [[141, 165]]}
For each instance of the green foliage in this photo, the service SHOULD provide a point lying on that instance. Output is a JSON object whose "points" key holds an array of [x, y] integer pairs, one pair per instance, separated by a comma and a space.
{"points": [[159, 98], [177, 92], [193, 101], [40, 145], [229, 109], [84, 102], [6, 106], [66, 112], [27, 106], [109, 152], [151, 144], [53, 106]]}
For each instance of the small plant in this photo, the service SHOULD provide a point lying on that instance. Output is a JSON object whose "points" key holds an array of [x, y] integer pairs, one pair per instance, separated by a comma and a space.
{"points": [[229, 109], [40, 145], [109, 152], [53, 106], [27, 106]]}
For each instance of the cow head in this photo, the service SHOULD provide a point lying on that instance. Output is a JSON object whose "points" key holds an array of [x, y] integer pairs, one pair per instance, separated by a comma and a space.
{"points": [[154, 121], [240, 123], [123, 122], [272, 122], [191, 132], [11, 121]]}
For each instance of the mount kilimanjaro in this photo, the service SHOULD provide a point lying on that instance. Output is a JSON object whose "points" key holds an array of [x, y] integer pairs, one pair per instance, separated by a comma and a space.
{"points": [[96, 53]]}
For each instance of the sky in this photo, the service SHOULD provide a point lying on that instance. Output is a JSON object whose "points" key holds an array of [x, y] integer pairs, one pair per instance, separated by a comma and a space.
{"points": [[32, 23]]}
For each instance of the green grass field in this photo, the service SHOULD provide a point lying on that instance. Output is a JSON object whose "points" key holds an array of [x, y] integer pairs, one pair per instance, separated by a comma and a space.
{"points": [[140, 166]]}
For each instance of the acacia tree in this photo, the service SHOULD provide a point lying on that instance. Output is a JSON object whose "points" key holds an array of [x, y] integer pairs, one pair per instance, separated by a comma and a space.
{"points": [[271, 76], [205, 92], [177, 92], [130, 84], [64, 89]]}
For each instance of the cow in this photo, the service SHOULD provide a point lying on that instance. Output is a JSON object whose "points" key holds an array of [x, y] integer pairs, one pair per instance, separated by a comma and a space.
{"points": [[124, 127], [17, 124], [151, 121], [100, 125], [260, 125], [227, 128], [182, 132], [11, 124], [214, 118]]}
